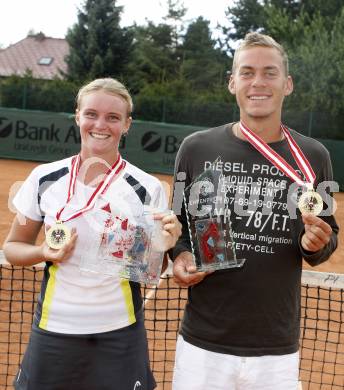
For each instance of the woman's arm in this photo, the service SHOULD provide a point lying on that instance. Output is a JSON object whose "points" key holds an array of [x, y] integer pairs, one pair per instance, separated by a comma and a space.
{"points": [[20, 245]]}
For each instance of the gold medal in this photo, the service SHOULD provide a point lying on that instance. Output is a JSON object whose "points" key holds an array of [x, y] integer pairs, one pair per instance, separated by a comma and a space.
{"points": [[58, 235], [310, 202]]}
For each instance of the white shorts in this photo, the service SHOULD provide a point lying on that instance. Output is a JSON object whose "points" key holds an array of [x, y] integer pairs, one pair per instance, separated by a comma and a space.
{"points": [[198, 369]]}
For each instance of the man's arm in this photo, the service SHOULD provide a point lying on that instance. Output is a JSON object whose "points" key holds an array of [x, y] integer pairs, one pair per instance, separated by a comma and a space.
{"points": [[318, 240]]}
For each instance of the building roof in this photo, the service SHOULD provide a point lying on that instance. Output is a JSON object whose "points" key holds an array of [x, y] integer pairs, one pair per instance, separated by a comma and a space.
{"points": [[43, 56]]}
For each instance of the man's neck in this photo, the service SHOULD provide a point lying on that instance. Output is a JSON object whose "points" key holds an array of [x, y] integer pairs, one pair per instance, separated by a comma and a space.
{"points": [[267, 130]]}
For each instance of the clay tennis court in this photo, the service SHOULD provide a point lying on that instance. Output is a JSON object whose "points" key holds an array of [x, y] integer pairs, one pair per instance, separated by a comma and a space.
{"points": [[163, 307]]}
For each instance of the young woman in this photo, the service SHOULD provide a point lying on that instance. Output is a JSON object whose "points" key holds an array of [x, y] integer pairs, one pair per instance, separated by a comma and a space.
{"points": [[88, 331]]}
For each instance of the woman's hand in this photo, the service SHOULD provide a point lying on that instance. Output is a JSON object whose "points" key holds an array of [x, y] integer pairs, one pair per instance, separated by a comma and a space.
{"points": [[20, 246], [59, 255], [171, 229]]}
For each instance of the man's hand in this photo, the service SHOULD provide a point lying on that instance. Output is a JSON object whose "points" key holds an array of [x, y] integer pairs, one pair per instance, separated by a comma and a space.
{"points": [[184, 271], [317, 233]]}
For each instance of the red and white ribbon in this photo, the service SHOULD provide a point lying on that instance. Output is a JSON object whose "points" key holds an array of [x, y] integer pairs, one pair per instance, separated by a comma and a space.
{"points": [[279, 161], [102, 187]]}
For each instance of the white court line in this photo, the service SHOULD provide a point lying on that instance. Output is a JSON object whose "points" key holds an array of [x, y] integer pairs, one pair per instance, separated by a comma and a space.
{"points": [[299, 386], [323, 279]]}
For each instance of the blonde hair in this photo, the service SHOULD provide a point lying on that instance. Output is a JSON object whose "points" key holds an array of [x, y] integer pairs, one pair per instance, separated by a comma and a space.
{"points": [[255, 39], [109, 85]]}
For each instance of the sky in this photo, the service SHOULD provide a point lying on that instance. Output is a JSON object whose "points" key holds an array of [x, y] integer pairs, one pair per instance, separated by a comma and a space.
{"points": [[53, 17]]}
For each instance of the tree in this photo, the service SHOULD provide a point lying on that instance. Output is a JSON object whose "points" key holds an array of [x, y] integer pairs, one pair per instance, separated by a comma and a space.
{"points": [[327, 9], [316, 56], [243, 16], [153, 58], [98, 45], [156, 49], [174, 18], [255, 15], [284, 29], [203, 65], [318, 66]]}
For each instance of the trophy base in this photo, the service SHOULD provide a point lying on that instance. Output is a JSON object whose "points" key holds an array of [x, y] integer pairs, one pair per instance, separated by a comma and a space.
{"points": [[238, 263]]}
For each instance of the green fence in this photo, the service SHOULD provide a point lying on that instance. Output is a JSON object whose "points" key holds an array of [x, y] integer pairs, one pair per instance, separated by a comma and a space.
{"points": [[152, 146], [209, 111]]}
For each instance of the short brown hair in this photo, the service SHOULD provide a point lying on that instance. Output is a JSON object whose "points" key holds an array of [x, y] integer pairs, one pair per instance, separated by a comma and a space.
{"points": [[256, 39], [109, 85]]}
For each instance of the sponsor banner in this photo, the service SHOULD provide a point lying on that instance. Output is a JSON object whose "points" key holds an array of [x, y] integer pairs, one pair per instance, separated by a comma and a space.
{"points": [[37, 136], [153, 146], [47, 136]]}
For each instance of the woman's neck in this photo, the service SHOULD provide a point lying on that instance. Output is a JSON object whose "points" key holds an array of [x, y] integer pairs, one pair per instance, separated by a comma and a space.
{"points": [[93, 169]]}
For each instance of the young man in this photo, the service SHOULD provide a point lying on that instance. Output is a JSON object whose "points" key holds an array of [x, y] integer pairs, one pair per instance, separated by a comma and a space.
{"points": [[240, 329]]}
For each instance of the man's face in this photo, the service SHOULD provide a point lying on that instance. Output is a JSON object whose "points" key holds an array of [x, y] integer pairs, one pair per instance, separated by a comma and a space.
{"points": [[259, 83]]}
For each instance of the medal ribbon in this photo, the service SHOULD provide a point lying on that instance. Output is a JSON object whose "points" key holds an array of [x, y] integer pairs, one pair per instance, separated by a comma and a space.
{"points": [[102, 187], [279, 161]]}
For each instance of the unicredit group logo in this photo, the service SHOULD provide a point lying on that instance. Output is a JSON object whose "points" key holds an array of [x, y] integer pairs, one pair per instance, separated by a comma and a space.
{"points": [[5, 127], [151, 141]]}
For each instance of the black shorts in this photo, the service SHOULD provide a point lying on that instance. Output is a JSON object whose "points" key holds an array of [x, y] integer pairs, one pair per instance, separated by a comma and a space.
{"points": [[116, 360]]}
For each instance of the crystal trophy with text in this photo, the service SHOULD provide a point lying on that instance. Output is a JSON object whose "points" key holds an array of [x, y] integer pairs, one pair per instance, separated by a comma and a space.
{"points": [[209, 224], [132, 248]]}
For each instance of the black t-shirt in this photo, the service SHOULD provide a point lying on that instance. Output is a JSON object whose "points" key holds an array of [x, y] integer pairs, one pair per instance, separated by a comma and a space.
{"points": [[254, 310]]}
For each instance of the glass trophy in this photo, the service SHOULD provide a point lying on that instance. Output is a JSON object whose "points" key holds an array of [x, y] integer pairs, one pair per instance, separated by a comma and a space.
{"points": [[209, 224], [132, 248]]}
